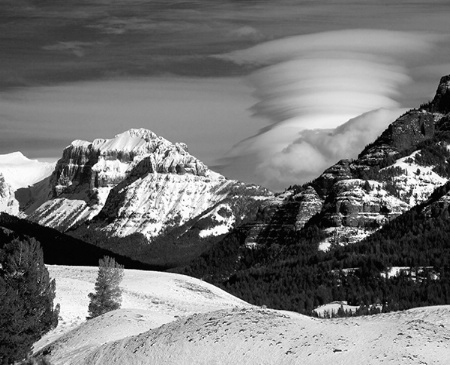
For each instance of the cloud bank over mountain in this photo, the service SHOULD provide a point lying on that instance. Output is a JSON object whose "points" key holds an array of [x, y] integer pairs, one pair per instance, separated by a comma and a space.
{"points": [[310, 85]]}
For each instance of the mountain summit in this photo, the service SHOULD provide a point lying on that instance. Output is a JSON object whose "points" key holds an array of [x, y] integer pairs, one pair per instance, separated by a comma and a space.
{"points": [[441, 101]]}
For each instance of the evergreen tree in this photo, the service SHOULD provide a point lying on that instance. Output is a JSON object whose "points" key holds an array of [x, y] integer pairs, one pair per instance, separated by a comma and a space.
{"points": [[108, 295], [26, 299]]}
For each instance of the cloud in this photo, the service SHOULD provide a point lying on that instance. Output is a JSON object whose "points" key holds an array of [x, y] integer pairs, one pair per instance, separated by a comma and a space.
{"points": [[373, 42], [247, 32], [75, 47], [278, 162], [315, 150], [322, 81]]}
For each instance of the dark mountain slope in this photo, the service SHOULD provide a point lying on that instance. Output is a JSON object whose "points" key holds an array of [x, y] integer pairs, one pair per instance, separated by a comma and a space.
{"points": [[60, 249]]}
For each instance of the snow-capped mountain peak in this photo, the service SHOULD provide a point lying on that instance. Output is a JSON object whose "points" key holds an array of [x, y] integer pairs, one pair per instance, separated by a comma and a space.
{"points": [[137, 140], [19, 171]]}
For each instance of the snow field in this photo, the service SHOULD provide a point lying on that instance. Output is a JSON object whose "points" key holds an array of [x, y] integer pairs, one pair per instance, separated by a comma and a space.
{"points": [[160, 297], [173, 319]]}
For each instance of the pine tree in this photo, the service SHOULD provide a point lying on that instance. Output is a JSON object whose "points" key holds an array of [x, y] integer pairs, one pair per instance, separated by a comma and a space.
{"points": [[108, 295], [26, 299]]}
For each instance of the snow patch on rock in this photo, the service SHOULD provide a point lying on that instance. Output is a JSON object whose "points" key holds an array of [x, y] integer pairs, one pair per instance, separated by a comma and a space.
{"points": [[417, 182], [223, 216]]}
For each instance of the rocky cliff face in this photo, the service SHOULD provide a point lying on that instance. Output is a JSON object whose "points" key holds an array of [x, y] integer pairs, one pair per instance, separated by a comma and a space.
{"points": [[136, 182], [8, 203], [356, 197], [104, 163], [441, 102]]}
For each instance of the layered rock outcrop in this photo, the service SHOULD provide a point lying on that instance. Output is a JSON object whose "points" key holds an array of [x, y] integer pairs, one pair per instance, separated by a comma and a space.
{"points": [[107, 162]]}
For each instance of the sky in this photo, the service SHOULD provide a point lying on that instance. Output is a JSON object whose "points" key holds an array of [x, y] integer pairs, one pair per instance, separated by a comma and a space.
{"points": [[262, 91]]}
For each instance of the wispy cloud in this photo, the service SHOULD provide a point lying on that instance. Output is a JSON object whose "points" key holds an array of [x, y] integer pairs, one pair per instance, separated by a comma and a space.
{"points": [[74, 47]]}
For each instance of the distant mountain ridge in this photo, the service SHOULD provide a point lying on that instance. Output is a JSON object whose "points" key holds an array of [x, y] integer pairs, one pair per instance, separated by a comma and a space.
{"points": [[21, 172]]}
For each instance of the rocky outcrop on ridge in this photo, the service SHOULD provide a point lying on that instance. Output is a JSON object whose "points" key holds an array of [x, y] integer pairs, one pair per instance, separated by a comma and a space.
{"points": [[441, 101], [408, 131]]}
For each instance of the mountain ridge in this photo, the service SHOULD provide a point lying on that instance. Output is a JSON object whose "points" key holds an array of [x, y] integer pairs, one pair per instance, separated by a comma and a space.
{"points": [[354, 198]]}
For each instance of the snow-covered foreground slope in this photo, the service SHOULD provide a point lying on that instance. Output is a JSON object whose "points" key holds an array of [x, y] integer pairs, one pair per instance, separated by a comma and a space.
{"points": [[174, 319], [260, 336], [149, 299]]}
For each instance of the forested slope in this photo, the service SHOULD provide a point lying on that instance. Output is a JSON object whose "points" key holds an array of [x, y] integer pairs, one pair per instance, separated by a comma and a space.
{"points": [[299, 277]]}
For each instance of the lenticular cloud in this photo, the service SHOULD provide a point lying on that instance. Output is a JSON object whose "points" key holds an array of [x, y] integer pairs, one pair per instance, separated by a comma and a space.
{"points": [[321, 81]]}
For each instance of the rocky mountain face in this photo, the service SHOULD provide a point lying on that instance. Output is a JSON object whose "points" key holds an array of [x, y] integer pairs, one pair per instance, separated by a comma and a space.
{"points": [[8, 203], [354, 198], [139, 183]]}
